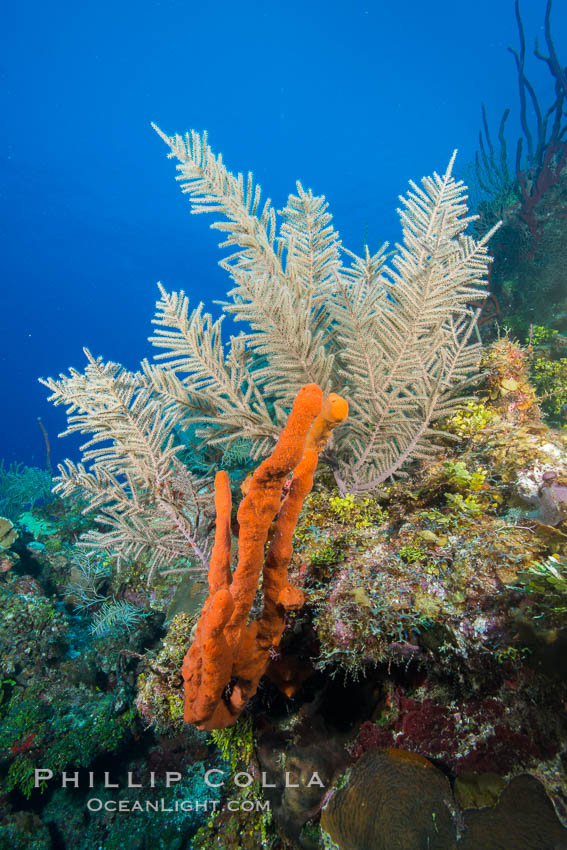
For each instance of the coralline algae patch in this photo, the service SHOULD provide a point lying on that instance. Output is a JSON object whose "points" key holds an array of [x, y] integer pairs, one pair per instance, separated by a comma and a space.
{"points": [[481, 734]]}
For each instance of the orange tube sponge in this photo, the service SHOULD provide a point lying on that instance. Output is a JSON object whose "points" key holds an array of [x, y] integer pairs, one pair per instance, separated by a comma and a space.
{"points": [[227, 658], [219, 566], [334, 411]]}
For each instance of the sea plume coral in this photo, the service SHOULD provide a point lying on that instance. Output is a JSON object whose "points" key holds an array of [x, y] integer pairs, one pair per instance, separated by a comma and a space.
{"points": [[394, 334], [144, 498]]}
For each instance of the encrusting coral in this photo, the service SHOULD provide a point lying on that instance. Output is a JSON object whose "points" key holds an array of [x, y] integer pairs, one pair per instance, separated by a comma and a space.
{"points": [[226, 650], [8, 533]]}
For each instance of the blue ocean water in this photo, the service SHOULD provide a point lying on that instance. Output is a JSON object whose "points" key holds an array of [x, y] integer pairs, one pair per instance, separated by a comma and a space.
{"points": [[351, 98]]}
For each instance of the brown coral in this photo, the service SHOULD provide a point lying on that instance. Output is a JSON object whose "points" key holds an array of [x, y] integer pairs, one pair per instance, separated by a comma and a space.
{"points": [[394, 800], [8, 533], [522, 819]]}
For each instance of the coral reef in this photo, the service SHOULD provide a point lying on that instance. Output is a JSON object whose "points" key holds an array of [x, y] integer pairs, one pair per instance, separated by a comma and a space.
{"points": [[433, 623], [363, 661]]}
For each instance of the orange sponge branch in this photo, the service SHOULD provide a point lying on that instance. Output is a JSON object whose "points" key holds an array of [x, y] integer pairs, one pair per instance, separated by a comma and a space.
{"points": [[227, 654]]}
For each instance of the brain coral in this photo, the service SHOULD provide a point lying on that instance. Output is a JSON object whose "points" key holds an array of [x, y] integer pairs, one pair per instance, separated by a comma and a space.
{"points": [[394, 800], [522, 819]]}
